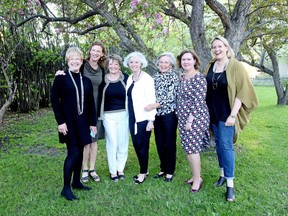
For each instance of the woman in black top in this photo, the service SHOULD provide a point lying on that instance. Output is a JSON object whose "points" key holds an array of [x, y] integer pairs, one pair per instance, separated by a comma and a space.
{"points": [[93, 68], [74, 110], [112, 94]]}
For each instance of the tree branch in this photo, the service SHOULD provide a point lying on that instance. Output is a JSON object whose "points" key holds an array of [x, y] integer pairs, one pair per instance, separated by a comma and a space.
{"points": [[174, 12], [49, 19], [221, 11], [91, 29]]}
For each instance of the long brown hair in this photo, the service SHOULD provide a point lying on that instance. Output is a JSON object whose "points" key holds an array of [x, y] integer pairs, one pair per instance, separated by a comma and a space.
{"points": [[102, 60]]}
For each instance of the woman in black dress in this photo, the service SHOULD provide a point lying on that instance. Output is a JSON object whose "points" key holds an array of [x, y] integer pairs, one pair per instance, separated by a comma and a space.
{"points": [[73, 105]]}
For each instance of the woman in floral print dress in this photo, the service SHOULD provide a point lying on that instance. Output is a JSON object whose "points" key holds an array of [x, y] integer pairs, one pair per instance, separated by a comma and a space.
{"points": [[193, 114]]}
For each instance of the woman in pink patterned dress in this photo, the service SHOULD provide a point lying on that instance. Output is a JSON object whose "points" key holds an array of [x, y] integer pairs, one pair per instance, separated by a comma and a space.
{"points": [[193, 114]]}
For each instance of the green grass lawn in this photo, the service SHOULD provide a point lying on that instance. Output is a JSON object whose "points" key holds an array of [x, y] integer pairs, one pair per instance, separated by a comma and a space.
{"points": [[31, 162]]}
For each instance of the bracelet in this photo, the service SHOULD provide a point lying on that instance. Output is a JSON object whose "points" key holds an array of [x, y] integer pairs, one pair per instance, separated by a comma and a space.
{"points": [[233, 116]]}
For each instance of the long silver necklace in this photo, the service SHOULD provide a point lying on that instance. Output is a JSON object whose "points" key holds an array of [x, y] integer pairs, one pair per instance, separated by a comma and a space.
{"points": [[215, 81], [79, 108]]}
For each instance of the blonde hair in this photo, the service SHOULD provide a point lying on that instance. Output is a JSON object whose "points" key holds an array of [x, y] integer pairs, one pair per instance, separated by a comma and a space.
{"points": [[71, 51], [230, 52]]}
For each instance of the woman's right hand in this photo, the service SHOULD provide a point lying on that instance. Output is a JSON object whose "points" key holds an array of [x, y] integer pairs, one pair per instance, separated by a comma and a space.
{"points": [[63, 128], [188, 126], [59, 72]]}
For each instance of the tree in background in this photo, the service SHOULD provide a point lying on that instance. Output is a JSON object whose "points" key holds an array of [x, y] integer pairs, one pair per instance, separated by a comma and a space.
{"points": [[28, 58], [8, 87], [144, 25]]}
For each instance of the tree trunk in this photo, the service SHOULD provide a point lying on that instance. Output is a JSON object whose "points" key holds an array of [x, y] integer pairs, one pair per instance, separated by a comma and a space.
{"points": [[6, 105], [234, 24], [282, 95], [129, 39], [197, 33]]}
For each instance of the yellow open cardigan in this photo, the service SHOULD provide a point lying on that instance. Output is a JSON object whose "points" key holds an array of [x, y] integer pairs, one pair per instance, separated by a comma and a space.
{"points": [[240, 86]]}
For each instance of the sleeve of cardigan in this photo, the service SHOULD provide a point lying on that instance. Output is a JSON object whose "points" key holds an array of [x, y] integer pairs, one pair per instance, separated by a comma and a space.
{"points": [[56, 99], [245, 91], [151, 97]]}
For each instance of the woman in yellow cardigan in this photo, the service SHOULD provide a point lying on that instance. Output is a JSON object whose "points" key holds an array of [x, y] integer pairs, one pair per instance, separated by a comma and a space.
{"points": [[230, 98]]}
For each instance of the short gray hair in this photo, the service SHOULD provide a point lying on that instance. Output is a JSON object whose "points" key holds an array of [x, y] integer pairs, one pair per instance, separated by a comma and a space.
{"points": [[171, 58], [114, 57], [142, 58]]}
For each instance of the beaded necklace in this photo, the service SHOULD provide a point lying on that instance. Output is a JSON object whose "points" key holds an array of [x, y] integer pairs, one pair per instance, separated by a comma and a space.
{"points": [[79, 108]]}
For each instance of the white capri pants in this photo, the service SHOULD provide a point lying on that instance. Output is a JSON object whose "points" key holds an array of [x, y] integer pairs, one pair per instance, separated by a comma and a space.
{"points": [[117, 139]]}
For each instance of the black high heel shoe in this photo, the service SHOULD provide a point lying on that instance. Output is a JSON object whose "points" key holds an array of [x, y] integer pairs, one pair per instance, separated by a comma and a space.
{"points": [[188, 182], [136, 176], [121, 176], [197, 190], [114, 178], [220, 181], [159, 175], [230, 194], [168, 179], [140, 182]]}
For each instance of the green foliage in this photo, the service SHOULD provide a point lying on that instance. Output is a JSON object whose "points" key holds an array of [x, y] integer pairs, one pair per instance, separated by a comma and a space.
{"points": [[266, 27], [32, 161]]}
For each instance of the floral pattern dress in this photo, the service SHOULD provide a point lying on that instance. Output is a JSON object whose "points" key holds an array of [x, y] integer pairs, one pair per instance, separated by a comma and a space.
{"points": [[191, 98]]}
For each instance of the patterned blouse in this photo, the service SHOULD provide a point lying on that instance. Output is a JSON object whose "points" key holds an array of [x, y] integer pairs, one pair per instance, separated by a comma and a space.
{"points": [[166, 85]]}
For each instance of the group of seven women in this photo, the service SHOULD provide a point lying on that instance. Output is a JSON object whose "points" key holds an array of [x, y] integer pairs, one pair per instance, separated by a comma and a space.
{"points": [[220, 99]]}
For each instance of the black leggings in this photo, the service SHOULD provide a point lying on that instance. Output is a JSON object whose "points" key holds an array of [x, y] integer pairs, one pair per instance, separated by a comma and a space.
{"points": [[141, 143], [73, 163]]}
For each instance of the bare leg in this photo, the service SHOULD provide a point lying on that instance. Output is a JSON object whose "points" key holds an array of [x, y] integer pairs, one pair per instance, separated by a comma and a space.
{"points": [[195, 166], [86, 157], [93, 155], [86, 150]]}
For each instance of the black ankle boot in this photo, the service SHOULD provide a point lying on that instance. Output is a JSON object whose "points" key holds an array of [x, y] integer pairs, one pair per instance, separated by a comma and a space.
{"points": [[67, 194], [220, 181], [80, 186]]}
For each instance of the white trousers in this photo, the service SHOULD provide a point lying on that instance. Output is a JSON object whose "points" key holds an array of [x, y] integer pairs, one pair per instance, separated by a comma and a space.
{"points": [[117, 139]]}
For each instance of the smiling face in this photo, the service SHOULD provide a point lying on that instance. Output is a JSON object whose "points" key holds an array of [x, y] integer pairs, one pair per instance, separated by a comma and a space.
{"points": [[219, 49], [188, 62], [135, 64], [164, 64], [96, 53], [113, 66], [74, 62]]}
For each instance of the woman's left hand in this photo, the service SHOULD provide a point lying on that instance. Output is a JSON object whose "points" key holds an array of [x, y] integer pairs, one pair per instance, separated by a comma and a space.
{"points": [[93, 129], [230, 121], [150, 126]]}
